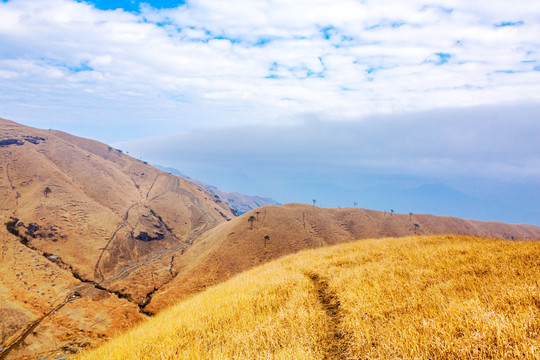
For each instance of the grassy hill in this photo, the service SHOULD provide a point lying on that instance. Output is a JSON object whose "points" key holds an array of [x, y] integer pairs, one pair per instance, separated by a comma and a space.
{"points": [[426, 297], [276, 231]]}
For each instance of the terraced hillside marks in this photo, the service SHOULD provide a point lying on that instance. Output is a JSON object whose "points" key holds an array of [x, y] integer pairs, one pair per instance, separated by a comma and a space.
{"points": [[106, 222], [419, 297]]}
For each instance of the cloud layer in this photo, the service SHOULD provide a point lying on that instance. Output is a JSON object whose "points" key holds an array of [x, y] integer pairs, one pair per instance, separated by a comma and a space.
{"points": [[493, 142], [214, 63]]}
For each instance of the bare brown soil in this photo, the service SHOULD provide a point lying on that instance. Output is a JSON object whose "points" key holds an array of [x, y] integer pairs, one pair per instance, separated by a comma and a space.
{"points": [[335, 344]]}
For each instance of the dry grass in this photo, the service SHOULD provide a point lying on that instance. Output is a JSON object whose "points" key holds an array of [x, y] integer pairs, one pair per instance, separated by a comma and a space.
{"points": [[438, 297]]}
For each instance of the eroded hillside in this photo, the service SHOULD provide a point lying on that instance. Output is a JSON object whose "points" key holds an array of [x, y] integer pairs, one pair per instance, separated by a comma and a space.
{"points": [[106, 226]]}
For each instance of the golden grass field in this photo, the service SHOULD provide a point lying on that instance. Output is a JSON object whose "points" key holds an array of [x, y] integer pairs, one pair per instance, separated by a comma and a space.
{"points": [[429, 297]]}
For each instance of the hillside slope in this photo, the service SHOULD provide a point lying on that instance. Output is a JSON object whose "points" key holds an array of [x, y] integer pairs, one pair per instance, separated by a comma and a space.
{"points": [[428, 297], [242, 203], [106, 226], [275, 231]]}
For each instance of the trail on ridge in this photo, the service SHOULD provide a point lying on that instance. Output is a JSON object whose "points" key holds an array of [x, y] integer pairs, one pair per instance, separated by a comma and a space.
{"points": [[335, 343]]}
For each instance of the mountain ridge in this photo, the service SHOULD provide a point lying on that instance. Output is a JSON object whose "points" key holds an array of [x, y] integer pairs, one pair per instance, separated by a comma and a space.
{"points": [[241, 203], [270, 232]]}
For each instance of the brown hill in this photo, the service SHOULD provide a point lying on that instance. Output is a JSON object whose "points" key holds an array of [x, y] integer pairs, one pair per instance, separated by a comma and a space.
{"points": [[275, 231], [83, 218], [95, 240]]}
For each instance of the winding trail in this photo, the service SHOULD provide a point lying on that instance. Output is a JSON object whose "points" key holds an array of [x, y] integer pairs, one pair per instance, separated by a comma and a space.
{"points": [[202, 226], [98, 274], [335, 344], [304, 222], [122, 224], [157, 256], [8, 158], [152, 186]]}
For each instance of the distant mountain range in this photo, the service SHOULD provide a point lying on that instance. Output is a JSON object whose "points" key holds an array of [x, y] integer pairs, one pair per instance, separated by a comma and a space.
{"points": [[241, 203]]}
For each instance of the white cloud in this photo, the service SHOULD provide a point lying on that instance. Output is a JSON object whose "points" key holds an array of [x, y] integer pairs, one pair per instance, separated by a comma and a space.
{"points": [[270, 60], [330, 90], [488, 142], [207, 51]]}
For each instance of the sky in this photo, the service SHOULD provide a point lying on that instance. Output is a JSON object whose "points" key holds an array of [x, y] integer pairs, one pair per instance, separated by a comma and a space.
{"points": [[414, 106]]}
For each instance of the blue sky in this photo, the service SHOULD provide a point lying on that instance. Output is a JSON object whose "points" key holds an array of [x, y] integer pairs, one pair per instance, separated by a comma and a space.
{"points": [[327, 99], [132, 5]]}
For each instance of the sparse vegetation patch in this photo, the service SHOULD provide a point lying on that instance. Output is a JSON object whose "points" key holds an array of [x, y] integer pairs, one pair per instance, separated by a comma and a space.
{"points": [[12, 226], [18, 142], [8, 142], [33, 139], [144, 236]]}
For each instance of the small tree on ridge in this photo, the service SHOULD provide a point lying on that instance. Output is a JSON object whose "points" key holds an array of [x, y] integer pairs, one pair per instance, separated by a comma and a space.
{"points": [[251, 219]]}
